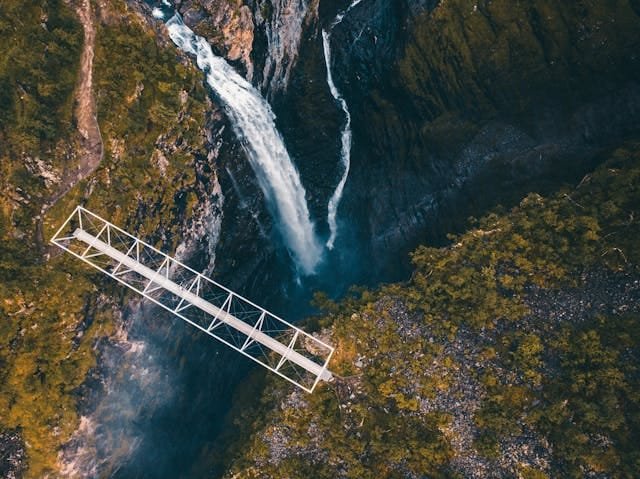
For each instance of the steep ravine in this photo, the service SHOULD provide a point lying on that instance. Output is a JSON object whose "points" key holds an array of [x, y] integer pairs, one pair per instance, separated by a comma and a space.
{"points": [[259, 259], [420, 168], [458, 107], [454, 109], [155, 351]]}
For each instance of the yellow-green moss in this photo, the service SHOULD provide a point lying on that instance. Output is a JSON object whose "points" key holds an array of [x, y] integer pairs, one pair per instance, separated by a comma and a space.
{"points": [[45, 303], [476, 284]]}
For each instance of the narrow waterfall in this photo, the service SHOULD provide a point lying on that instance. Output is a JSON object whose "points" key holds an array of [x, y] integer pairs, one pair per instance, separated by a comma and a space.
{"points": [[253, 122], [345, 136]]}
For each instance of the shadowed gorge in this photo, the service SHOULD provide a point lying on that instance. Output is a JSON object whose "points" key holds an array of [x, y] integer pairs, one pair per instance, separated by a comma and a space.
{"points": [[473, 103], [473, 164]]}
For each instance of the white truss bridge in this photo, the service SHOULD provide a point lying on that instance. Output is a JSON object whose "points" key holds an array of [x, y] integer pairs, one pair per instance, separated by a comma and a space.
{"points": [[215, 310]]}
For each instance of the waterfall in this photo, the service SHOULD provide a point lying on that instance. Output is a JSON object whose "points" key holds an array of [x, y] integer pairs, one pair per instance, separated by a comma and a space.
{"points": [[253, 121], [345, 136]]}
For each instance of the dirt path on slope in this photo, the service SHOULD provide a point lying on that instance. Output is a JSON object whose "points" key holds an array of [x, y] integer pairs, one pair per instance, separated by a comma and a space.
{"points": [[88, 142], [86, 114]]}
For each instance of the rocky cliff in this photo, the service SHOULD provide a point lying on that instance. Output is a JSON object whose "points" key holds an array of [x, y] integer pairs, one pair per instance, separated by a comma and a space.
{"points": [[228, 25], [447, 95]]}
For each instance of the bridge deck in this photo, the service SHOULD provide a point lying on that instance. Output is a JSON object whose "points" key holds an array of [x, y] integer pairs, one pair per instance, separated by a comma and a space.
{"points": [[217, 311]]}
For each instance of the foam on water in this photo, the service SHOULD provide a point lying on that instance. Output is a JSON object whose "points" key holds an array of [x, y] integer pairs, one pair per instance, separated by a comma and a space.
{"points": [[345, 135], [253, 122]]}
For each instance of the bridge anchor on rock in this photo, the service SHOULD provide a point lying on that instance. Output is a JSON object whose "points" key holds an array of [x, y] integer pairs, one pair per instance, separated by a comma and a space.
{"points": [[217, 311]]}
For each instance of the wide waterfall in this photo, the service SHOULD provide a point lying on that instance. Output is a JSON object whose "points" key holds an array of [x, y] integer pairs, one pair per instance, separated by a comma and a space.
{"points": [[254, 124], [345, 137]]}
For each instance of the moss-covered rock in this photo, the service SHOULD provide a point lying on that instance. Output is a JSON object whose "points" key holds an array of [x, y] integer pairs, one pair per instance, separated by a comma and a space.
{"points": [[152, 106], [507, 354], [468, 104]]}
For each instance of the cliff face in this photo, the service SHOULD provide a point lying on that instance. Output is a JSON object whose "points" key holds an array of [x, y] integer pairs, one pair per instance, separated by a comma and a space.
{"points": [[447, 96], [228, 25], [262, 38]]}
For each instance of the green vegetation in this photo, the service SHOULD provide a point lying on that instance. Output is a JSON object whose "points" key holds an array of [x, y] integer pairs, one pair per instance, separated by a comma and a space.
{"points": [[468, 66], [151, 109], [42, 42], [152, 121], [478, 312], [37, 77], [474, 59], [590, 410], [570, 382]]}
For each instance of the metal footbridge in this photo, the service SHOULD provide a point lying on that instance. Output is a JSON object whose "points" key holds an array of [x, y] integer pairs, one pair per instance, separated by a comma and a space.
{"points": [[215, 310]]}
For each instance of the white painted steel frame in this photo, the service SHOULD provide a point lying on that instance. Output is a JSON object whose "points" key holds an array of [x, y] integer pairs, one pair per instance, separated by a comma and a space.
{"points": [[221, 315]]}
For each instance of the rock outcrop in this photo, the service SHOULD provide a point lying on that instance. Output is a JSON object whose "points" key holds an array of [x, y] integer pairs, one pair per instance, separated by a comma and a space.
{"points": [[227, 25]]}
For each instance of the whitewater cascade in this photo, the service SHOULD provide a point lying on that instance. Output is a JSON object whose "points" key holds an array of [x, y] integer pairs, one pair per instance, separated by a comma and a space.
{"points": [[345, 135], [253, 121]]}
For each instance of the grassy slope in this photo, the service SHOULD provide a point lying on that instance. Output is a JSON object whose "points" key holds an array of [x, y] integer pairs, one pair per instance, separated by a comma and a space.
{"points": [[50, 311], [571, 382]]}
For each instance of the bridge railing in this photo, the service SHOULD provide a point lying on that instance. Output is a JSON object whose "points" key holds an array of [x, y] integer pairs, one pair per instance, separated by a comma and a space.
{"points": [[265, 338]]}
